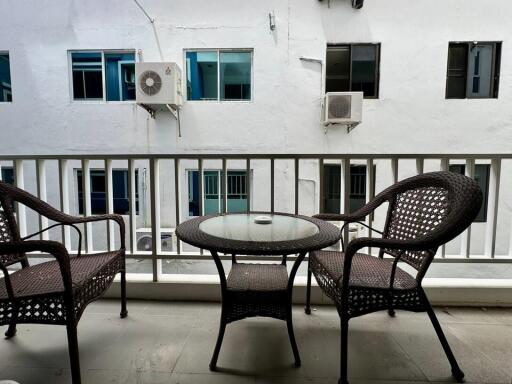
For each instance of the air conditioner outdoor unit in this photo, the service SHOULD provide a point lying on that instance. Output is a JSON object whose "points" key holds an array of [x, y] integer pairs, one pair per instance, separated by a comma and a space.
{"points": [[145, 240], [158, 85], [344, 108]]}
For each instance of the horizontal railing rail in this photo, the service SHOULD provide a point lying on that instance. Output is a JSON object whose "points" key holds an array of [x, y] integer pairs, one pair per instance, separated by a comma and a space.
{"points": [[164, 189]]}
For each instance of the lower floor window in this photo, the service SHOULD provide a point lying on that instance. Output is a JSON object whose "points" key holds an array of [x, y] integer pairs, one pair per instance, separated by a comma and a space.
{"points": [[332, 188], [8, 175], [213, 201], [482, 178], [98, 192]]}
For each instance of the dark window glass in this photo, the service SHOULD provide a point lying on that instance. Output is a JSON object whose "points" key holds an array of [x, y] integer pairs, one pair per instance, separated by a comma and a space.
{"points": [[87, 75], [235, 75], [482, 178], [5, 78], [473, 70], [202, 73], [8, 175], [353, 68], [332, 188], [98, 195], [120, 76]]}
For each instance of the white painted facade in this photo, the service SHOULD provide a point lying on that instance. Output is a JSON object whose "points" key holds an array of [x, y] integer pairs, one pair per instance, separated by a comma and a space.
{"points": [[411, 114]]}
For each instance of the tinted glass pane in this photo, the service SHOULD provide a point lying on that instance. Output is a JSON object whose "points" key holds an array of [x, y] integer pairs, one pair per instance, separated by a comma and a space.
{"points": [[120, 76], [5, 78], [235, 75], [338, 69], [457, 71], [480, 70], [202, 75], [87, 78], [364, 67], [8, 175]]}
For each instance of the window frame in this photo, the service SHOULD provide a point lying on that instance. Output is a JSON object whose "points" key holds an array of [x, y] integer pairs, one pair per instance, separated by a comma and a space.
{"points": [[103, 100], [377, 67], [218, 51], [5, 91], [495, 69]]}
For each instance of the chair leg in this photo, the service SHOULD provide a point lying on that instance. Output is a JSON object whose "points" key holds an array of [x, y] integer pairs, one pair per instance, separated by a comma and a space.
{"points": [[124, 311], [344, 352], [11, 331], [456, 371], [220, 337], [73, 353], [307, 308], [291, 335]]}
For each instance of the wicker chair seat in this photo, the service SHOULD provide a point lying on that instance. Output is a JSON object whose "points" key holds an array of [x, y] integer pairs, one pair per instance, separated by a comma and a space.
{"points": [[39, 290], [369, 285], [256, 290]]}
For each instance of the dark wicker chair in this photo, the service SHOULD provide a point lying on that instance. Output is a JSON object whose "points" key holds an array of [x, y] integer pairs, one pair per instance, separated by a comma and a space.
{"points": [[424, 212], [54, 292]]}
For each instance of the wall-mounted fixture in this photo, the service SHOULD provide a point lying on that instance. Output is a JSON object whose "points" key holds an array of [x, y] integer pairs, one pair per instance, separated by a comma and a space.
{"points": [[356, 4], [272, 20]]}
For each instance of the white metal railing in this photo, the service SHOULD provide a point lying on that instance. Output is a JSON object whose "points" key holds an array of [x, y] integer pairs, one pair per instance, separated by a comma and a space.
{"points": [[167, 196]]}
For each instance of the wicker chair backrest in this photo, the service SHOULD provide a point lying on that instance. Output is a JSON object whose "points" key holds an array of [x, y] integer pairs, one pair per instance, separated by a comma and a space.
{"points": [[8, 227], [434, 207]]}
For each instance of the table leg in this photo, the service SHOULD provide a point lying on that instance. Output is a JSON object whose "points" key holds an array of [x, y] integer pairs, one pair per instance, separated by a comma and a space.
{"points": [[222, 327], [289, 321]]}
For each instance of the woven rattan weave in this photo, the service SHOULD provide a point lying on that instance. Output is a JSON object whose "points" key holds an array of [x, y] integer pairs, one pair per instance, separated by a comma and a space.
{"points": [[53, 292], [424, 212]]}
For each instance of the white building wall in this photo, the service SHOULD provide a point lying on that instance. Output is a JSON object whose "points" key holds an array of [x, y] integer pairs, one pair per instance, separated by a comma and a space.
{"points": [[411, 114]]}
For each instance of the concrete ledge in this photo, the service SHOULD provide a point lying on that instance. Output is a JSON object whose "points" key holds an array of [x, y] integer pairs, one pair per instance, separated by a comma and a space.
{"points": [[441, 291]]}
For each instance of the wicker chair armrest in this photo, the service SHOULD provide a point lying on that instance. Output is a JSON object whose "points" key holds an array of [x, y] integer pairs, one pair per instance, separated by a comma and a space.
{"points": [[53, 248]]}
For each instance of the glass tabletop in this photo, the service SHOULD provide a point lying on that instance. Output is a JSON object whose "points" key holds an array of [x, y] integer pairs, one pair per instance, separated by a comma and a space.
{"points": [[244, 228]]}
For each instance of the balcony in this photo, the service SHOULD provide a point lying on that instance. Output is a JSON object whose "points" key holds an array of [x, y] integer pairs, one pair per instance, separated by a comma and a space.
{"points": [[172, 340]]}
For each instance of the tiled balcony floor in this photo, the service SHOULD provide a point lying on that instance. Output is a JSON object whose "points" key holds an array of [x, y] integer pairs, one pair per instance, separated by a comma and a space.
{"points": [[169, 342]]}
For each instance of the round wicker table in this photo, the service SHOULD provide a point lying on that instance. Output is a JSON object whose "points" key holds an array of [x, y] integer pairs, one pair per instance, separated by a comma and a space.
{"points": [[257, 289]]}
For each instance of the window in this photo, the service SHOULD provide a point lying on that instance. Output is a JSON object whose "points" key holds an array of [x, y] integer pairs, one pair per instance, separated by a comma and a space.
{"points": [[98, 196], [219, 75], [94, 72], [473, 70], [212, 192], [482, 178], [353, 67], [7, 175], [332, 188], [5, 78]]}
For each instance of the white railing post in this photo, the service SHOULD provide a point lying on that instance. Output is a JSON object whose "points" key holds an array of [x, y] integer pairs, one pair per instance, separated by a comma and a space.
{"points": [[21, 213], [156, 249], [445, 166], [64, 199], [133, 205], [492, 208], [109, 204], [42, 194], [86, 203], [466, 235]]}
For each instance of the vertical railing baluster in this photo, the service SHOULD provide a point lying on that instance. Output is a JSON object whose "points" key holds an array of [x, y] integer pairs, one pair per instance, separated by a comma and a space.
{"points": [[177, 199], [154, 177], [21, 212], [321, 192], [64, 199], [370, 193], [394, 169], [109, 203], [86, 204], [132, 187], [466, 235], [445, 166], [248, 183], [200, 179], [492, 208], [296, 185], [272, 179], [42, 194], [420, 164], [346, 194]]}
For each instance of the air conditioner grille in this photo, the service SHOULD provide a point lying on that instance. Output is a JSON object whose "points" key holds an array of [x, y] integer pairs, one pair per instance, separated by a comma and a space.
{"points": [[340, 107], [150, 82]]}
